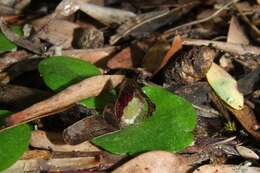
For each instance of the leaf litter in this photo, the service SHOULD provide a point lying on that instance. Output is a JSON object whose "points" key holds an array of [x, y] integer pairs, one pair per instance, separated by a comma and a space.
{"points": [[129, 86]]}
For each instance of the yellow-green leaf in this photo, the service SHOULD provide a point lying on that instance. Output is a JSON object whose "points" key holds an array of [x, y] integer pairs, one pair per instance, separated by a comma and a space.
{"points": [[225, 86]]}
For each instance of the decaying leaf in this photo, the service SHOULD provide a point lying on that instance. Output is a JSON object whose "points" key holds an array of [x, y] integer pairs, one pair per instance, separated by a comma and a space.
{"points": [[225, 86], [128, 57], [39, 139], [90, 55], [154, 162], [248, 120], [236, 33], [54, 33], [155, 55]]}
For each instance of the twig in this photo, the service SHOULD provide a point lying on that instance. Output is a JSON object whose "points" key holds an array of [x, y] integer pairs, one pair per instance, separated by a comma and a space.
{"points": [[229, 47], [170, 31], [245, 18]]}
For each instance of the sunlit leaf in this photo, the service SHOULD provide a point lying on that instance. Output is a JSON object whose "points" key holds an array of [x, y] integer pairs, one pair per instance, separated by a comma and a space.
{"points": [[225, 86]]}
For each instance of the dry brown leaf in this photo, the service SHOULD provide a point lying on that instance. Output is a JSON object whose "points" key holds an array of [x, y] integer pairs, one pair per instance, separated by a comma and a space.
{"points": [[236, 33], [51, 31], [155, 162], [248, 120], [53, 165], [90, 55], [121, 59], [155, 55], [126, 58], [39, 139], [89, 87], [175, 47]]}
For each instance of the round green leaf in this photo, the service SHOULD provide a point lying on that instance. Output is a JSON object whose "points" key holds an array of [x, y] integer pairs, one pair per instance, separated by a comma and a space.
{"points": [[7, 45], [14, 142], [60, 71], [170, 127]]}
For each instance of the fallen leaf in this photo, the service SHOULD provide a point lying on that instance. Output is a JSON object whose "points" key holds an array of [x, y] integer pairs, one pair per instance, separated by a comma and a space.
{"points": [[246, 152], [39, 139], [128, 57], [53, 32], [175, 47], [169, 128], [154, 162], [90, 55], [236, 33], [225, 86], [154, 57], [248, 120]]}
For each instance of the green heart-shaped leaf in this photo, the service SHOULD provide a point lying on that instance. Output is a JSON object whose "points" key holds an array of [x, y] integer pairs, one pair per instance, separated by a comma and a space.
{"points": [[13, 143], [7, 45], [170, 127], [60, 71]]}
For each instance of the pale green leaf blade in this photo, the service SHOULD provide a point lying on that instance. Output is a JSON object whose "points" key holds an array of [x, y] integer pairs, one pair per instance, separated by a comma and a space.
{"points": [[225, 86]]}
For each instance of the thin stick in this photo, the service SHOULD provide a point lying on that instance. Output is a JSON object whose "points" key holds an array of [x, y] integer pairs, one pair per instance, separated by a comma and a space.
{"points": [[228, 47], [170, 31]]}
